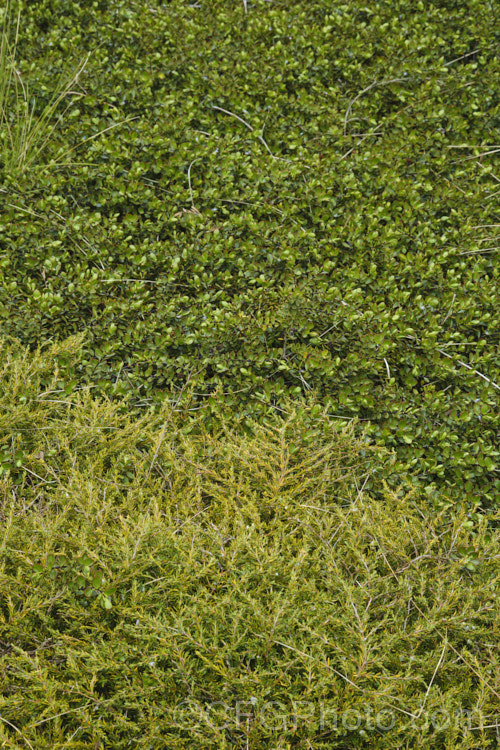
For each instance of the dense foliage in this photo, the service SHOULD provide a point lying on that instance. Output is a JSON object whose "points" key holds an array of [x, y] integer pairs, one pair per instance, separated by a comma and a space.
{"points": [[249, 374], [286, 197], [165, 586]]}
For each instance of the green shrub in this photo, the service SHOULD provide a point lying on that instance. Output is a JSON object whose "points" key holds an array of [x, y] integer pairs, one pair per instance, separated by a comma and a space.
{"points": [[162, 585], [305, 201]]}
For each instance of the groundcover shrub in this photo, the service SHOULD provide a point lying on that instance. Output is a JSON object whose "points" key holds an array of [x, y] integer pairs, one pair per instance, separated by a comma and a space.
{"points": [[271, 199], [164, 585]]}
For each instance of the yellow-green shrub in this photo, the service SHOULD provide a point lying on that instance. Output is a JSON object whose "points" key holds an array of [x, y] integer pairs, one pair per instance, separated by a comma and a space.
{"points": [[162, 586]]}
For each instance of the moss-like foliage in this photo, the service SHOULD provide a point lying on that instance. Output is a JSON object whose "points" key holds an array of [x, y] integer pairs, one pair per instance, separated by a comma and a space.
{"points": [[165, 586]]}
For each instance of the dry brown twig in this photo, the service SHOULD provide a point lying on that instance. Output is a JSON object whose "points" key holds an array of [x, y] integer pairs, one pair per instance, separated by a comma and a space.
{"points": [[364, 91]]}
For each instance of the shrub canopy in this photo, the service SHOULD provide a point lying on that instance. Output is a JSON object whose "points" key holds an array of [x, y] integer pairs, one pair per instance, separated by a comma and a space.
{"points": [[306, 199]]}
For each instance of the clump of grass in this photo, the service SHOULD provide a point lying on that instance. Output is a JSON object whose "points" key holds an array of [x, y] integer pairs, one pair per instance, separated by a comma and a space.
{"points": [[25, 134], [162, 585]]}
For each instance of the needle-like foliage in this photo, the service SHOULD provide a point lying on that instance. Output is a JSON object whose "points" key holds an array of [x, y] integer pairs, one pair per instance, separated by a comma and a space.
{"points": [[162, 585]]}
